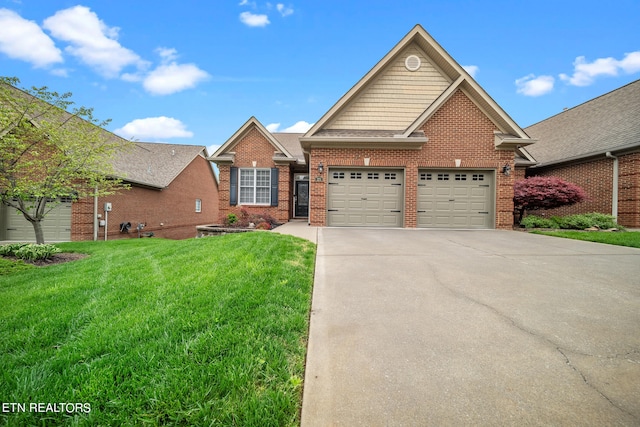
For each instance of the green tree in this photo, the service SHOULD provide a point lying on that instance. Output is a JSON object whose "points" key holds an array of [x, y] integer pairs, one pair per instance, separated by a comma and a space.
{"points": [[49, 150]]}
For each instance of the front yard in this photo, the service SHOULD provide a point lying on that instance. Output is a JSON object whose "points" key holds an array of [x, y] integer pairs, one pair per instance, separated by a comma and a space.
{"points": [[147, 331]]}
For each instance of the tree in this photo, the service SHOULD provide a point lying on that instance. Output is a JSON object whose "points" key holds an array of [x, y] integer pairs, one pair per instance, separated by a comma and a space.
{"points": [[47, 152], [544, 192]]}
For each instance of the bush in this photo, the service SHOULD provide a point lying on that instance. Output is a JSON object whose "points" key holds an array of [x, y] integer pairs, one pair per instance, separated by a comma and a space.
{"points": [[11, 248], [544, 192], [572, 222], [231, 219], [533, 221], [582, 221], [29, 252]]}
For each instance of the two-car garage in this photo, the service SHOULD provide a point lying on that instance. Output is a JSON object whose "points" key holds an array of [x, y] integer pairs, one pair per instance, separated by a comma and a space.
{"points": [[447, 198]]}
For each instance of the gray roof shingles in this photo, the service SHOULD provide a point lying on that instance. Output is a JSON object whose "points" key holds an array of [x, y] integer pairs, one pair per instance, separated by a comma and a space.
{"points": [[607, 123], [155, 164]]}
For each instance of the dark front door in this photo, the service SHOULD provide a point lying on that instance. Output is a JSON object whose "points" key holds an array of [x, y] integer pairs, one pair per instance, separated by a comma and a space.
{"points": [[302, 199]]}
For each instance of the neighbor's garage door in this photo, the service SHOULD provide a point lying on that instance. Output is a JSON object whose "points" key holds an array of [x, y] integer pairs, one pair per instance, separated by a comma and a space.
{"points": [[56, 225], [455, 199], [365, 197]]}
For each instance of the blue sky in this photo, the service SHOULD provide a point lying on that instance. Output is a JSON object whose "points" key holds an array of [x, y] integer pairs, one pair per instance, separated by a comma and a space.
{"points": [[192, 72]]}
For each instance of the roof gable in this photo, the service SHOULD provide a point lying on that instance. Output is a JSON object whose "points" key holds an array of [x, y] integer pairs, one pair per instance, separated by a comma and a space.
{"points": [[225, 153], [417, 94], [609, 122]]}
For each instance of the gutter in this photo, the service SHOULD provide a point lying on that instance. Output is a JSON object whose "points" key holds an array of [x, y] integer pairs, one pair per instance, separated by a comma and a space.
{"points": [[614, 197]]}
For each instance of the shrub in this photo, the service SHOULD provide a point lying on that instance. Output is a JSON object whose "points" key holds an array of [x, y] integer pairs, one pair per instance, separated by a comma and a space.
{"points": [[263, 226], [582, 221], [544, 192], [231, 219], [573, 222], [11, 248], [34, 252], [532, 221]]}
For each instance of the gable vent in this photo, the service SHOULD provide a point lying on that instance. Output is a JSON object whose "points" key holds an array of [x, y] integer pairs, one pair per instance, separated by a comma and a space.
{"points": [[412, 63]]}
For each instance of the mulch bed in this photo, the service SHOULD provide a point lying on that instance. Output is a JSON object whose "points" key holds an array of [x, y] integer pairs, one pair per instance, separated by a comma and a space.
{"points": [[59, 258]]}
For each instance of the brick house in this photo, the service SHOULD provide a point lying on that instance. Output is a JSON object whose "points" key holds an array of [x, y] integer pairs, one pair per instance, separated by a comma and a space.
{"points": [[415, 143], [595, 145], [173, 189]]}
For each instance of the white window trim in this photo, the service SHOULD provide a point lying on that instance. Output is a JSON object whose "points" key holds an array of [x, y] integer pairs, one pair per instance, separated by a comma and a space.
{"points": [[198, 205], [253, 187]]}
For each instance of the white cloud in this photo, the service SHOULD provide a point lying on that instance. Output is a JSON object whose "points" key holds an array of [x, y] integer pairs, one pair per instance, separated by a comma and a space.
{"points": [[272, 127], [92, 41], [155, 128], [24, 40], [535, 86], [299, 127], [471, 69], [173, 77], [284, 11], [585, 73], [254, 20]]}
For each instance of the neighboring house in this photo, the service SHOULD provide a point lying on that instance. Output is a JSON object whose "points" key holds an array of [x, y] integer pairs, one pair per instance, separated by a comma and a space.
{"points": [[595, 145], [173, 189], [415, 143]]}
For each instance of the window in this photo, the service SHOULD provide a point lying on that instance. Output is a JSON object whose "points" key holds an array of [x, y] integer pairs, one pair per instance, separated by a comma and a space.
{"points": [[390, 175], [338, 175], [198, 205], [478, 177], [356, 175], [461, 177], [373, 175], [425, 177], [255, 186], [443, 177]]}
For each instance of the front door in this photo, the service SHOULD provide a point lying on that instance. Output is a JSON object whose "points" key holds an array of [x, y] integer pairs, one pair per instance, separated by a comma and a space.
{"points": [[301, 208]]}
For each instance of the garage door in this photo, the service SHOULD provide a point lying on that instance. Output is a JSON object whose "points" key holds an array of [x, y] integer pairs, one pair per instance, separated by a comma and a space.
{"points": [[455, 199], [56, 225], [365, 197]]}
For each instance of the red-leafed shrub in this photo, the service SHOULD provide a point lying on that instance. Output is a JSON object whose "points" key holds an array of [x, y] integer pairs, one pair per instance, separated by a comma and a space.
{"points": [[263, 226], [544, 192]]}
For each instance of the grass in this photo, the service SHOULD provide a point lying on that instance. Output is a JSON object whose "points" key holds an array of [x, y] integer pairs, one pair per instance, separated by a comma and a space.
{"points": [[628, 238], [156, 332]]}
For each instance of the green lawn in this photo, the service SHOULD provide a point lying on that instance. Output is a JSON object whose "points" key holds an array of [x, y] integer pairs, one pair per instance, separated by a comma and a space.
{"points": [[627, 238], [157, 332]]}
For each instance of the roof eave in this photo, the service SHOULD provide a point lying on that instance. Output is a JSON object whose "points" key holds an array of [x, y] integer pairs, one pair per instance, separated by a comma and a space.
{"points": [[389, 143]]}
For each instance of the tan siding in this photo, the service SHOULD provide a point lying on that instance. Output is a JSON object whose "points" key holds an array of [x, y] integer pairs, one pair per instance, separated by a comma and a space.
{"points": [[394, 99]]}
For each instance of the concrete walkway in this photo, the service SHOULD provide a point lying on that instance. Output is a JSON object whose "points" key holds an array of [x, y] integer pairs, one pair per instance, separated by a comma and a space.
{"points": [[299, 229], [425, 327]]}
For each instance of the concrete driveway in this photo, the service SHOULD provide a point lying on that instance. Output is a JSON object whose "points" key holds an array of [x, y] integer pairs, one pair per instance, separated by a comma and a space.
{"points": [[424, 327]]}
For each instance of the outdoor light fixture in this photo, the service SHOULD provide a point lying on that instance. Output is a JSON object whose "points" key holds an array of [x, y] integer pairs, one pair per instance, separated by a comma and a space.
{"points": [[506, 169], [320, 167]]}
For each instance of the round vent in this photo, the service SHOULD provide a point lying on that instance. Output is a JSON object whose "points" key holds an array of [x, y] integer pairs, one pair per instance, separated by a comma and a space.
{"points": [[412, 63]]}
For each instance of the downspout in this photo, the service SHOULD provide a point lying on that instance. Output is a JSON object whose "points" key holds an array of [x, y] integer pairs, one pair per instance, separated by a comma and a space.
{"points": [[95, 215], [614, 199]]}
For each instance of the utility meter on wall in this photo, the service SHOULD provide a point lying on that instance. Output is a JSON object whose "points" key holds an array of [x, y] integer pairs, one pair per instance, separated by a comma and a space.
{"points": [[107, 207]]}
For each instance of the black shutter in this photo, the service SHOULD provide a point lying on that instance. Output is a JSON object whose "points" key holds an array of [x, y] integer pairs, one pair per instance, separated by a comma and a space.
{"points": [[274, 186], [233, 187]]}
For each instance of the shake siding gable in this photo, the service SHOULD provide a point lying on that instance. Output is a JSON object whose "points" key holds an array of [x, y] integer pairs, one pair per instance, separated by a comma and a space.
{"points": [[394, 99]]}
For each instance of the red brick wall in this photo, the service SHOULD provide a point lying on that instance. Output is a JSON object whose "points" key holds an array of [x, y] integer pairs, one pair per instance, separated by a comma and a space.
{"points": [[458, 130], [255, 147], [596, 179], [169, 213], [629, 190]]}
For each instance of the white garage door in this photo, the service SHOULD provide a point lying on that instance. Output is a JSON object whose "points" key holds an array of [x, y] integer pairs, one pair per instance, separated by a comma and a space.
{"points": [[455, 199], [56, 226], [365, 197]]}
